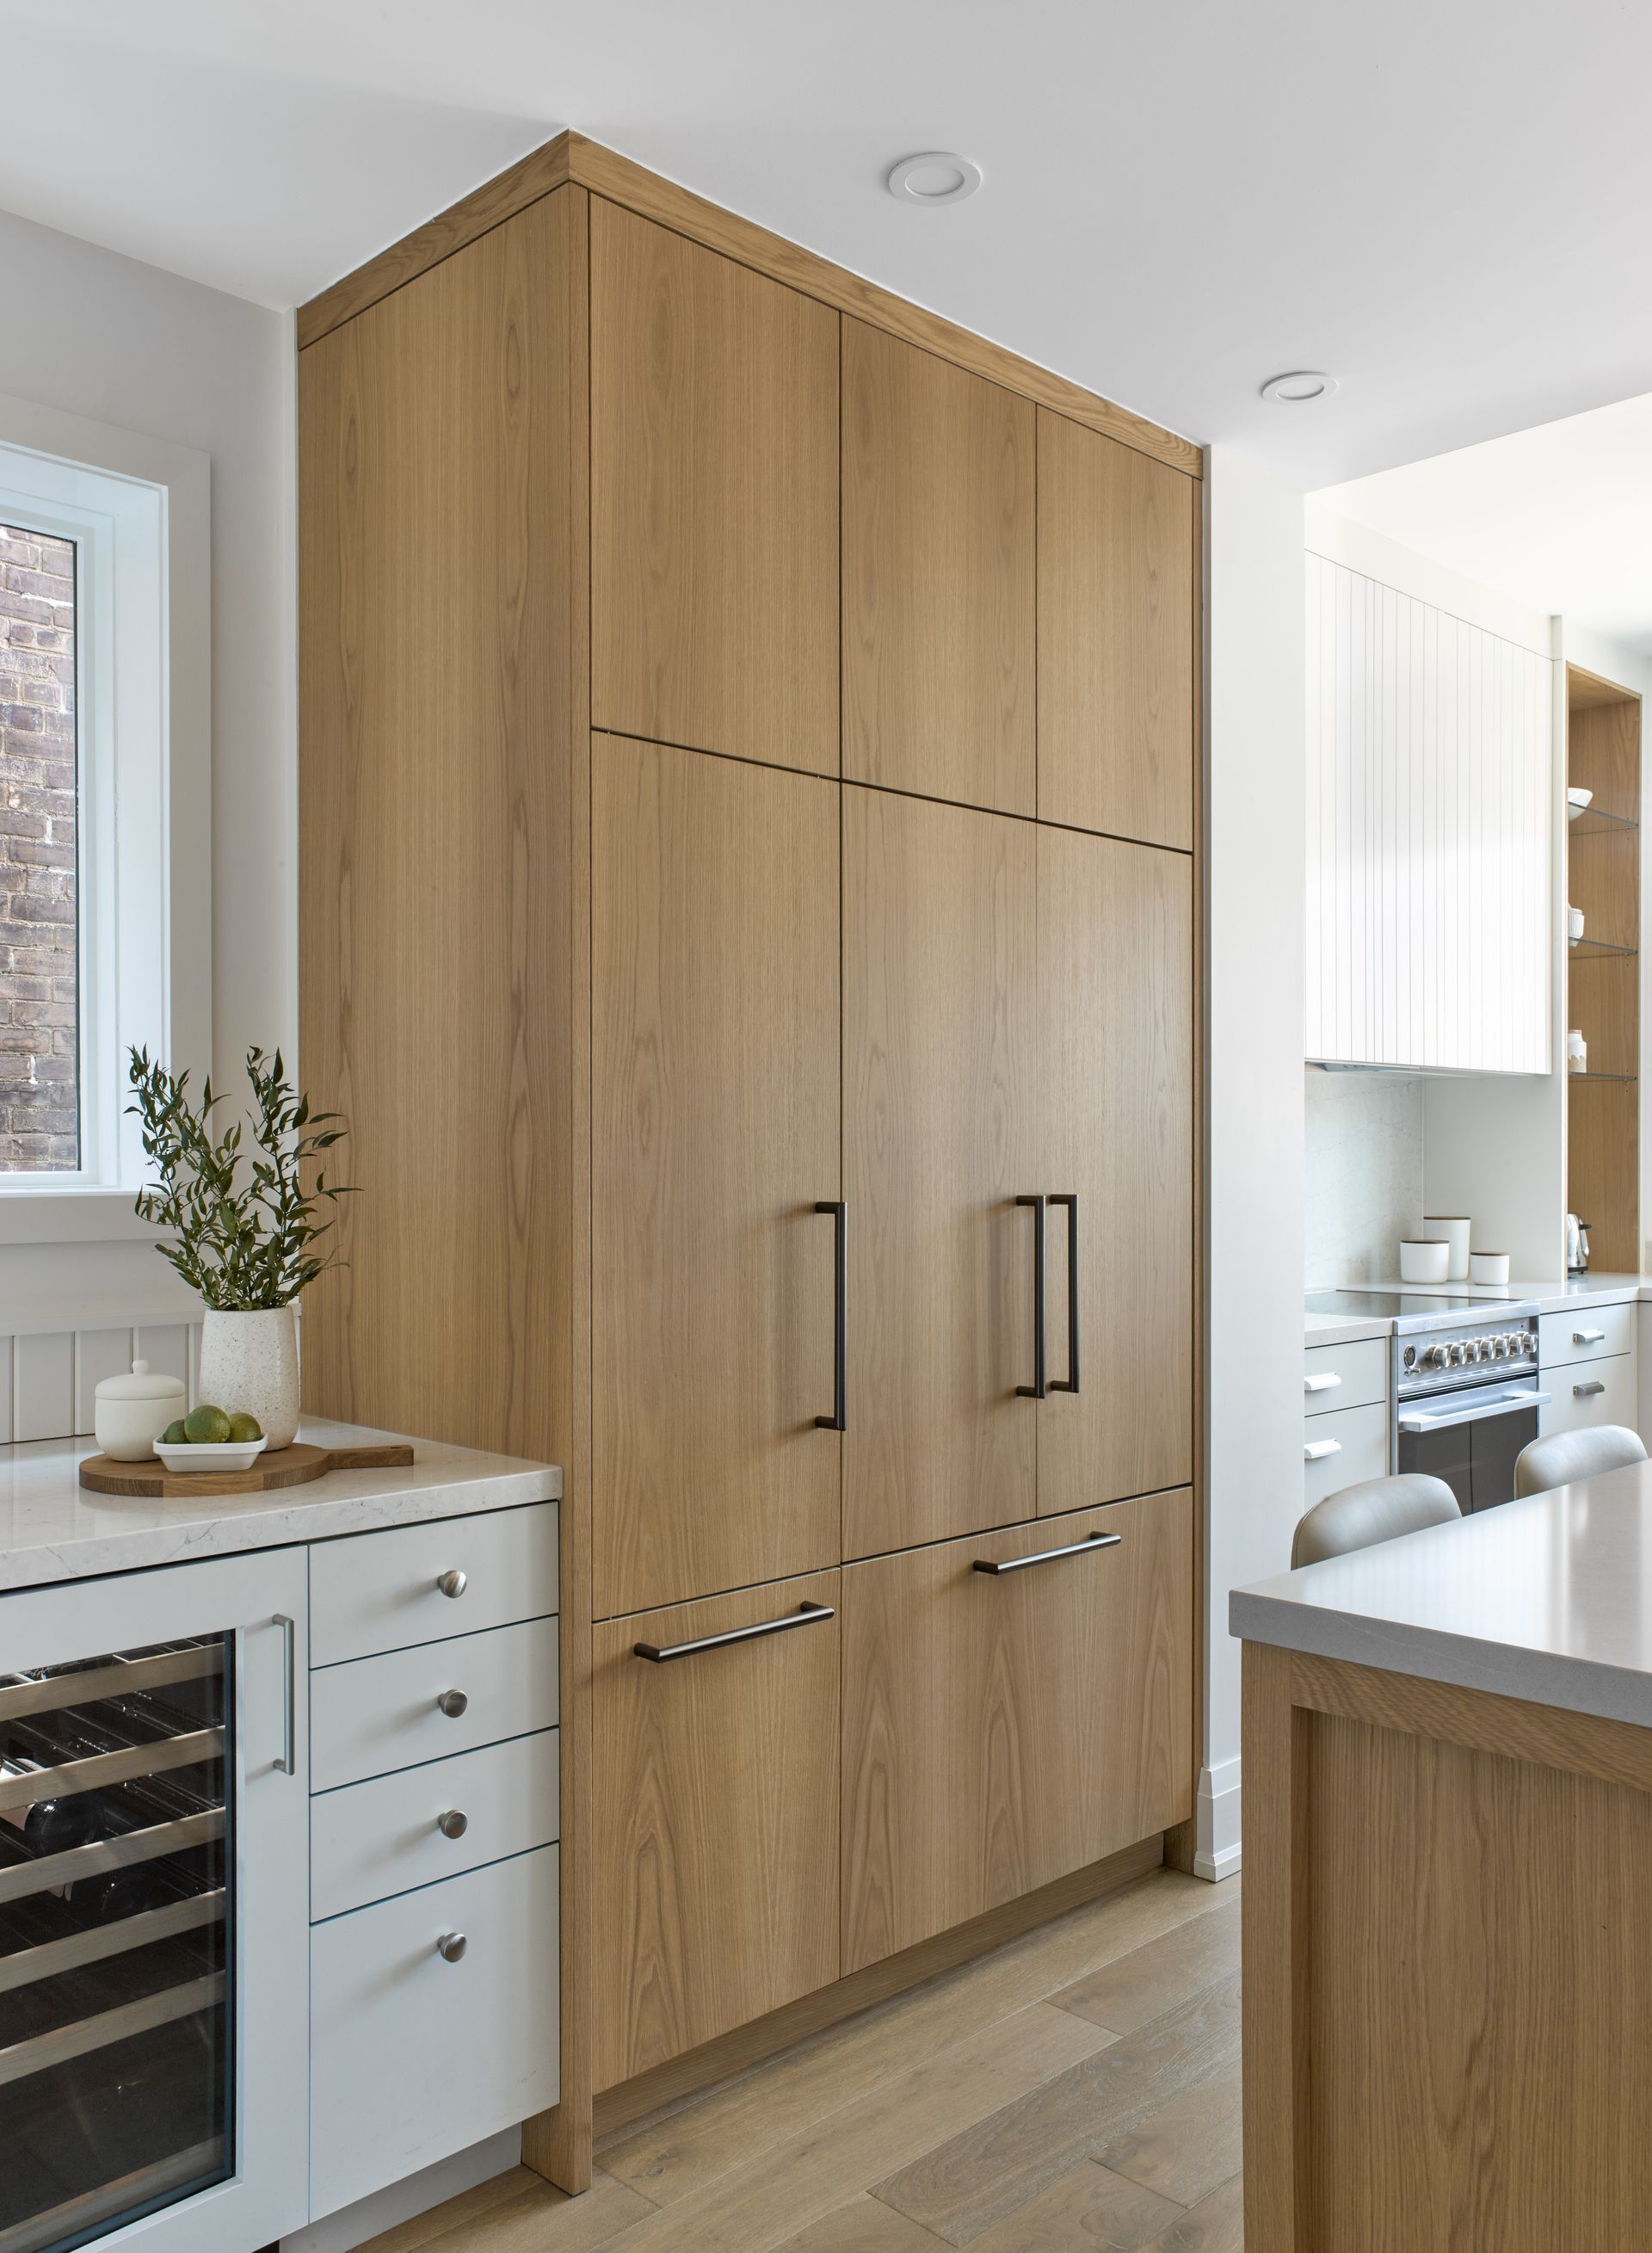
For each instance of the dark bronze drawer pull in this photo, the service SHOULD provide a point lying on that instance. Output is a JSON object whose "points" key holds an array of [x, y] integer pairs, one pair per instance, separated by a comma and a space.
{"points": [[659, 1654], [1040, 1386], [839, 1419], [1087, 1547], [1069, 1383]]}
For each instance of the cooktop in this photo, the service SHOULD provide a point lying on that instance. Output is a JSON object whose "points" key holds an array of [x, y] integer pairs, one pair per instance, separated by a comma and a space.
{"points": [[1388, 1304]]}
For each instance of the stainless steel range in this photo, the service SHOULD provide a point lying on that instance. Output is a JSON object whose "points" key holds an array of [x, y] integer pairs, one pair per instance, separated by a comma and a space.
{"points": [[1464, 1383]]}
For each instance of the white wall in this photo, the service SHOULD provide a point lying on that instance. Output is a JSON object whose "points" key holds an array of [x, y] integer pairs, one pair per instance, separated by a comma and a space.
{"points": [[107, 338], [1253, 1086], [1362, 1187]]}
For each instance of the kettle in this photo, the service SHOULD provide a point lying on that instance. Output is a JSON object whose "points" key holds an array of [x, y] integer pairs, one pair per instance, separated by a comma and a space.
{"points": [[1577, 1244]]}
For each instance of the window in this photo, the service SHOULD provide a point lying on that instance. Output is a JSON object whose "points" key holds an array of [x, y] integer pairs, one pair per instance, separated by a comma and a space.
{"points": [[39, 933], [105, 812]]}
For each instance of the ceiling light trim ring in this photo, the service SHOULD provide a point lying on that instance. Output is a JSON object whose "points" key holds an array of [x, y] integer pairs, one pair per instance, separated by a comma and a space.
{"points": [[904, 178], [1296, 387]]}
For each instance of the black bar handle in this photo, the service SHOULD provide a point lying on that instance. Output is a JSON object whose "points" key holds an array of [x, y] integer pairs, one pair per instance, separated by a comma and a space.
{"points": [[1040, 1385], [839, 1419], [1069, 1383], [661, 1654], [1087, 1547]]}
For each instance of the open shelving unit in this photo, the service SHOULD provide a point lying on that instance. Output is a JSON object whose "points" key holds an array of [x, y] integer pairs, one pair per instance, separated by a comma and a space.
{"points": [[1603, 865]]}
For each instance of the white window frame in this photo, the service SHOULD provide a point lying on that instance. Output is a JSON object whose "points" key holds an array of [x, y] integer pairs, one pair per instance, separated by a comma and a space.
{"points": [[138, 510]]}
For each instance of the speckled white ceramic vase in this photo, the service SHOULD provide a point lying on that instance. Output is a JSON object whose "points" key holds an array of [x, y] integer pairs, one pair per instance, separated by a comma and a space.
{"points": [[250, 1362]]}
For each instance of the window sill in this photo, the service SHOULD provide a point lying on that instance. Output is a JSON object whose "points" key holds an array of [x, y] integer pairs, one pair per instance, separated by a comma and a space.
{"points": [[70, 1212]]}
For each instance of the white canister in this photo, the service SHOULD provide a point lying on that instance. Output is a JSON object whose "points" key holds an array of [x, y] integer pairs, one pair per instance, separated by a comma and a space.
{"points": [[1450, 1228], [1574, 924], [1424, 1262], [1577, 1051], [1488, 1267], [250, 1362], [129, 1413]]}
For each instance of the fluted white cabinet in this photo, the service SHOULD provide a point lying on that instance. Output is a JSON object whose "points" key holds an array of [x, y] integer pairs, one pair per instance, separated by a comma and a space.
{"points": [[1430, 811]]}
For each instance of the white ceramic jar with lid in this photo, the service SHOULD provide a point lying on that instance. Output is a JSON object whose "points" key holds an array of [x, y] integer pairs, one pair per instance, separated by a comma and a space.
{"points": [[130, 1413]]}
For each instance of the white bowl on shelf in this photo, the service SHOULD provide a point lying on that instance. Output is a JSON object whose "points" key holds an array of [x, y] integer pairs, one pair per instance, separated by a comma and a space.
{"points": [[230, 1456], [1575, 802], [1424, 1263]]}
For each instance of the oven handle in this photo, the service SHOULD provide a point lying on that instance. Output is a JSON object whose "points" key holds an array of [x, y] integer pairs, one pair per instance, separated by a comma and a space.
{"points": [[1511, 1403]]}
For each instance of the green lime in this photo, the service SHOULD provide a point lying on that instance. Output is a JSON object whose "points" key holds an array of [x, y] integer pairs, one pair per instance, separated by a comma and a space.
{"points": [[206, 1426], [174, 1436], [243, 1426]]}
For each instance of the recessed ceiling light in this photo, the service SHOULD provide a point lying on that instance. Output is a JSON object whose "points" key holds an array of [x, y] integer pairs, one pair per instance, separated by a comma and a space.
{"points": [[1301, 384], [937, 176]]}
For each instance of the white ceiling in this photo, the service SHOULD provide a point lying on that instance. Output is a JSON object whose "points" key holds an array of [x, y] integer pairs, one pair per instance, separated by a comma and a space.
{"points": [[1445, 204], [1559, 518]]}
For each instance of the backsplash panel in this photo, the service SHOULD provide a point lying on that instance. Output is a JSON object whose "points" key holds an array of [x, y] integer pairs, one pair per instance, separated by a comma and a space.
{"points": [[49, 1379], [1363, 1177]]}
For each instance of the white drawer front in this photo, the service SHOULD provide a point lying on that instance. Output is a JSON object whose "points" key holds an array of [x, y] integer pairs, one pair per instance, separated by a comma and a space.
{"points": [[413, 2058], [1344, 1376], [1589, 1392], [370, 1840], [376, 1714], [1588, 1334], [1348, 1445], [375, 1592]]}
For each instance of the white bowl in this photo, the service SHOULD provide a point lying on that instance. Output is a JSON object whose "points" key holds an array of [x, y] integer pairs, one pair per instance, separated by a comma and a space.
{"points": [[1424, 1263], [233, 1455]]}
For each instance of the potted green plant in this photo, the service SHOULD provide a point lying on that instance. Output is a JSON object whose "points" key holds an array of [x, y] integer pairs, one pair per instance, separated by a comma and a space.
{"points": [[248, 1223]]}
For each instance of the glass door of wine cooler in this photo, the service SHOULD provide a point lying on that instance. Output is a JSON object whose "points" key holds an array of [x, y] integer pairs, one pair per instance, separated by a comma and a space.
{"points": [[153, 1911]]}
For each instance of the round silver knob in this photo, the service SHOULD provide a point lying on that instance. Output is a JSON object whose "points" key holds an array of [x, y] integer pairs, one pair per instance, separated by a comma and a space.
{"points": [[452, 1703], [451, 1584], [451, 1947], [453, 1823], [1455, 1355], [1437, 1357]]}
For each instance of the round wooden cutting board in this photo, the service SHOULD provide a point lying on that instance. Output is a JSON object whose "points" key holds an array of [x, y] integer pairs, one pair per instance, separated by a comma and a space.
{"points": [[278, 1467]]}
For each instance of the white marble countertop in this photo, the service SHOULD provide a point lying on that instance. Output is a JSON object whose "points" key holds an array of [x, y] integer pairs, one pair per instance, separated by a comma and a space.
{"points": [[52, 1528], [1547, 1600], [1595, 1289]]}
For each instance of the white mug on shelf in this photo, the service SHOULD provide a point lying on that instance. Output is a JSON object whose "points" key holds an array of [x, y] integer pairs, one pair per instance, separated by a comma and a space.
{"points": [[1574, 924], [1577, 1051], [1488, 1267], [1424, 1262], [1451, 1231]]}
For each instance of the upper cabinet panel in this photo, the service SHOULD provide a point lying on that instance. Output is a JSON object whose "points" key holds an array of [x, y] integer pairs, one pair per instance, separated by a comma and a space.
{"points": [[1118, 564], [939, 577], [1429, 778], [713, 501]]}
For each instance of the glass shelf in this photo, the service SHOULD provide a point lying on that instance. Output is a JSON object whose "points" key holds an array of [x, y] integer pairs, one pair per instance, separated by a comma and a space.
{"points": [[1593, 821], [1623, 1078], [1585, 950]]}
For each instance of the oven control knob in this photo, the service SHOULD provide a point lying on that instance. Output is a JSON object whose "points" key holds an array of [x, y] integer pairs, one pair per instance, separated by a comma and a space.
{"points": [[1453, 1356], [1437, 1357]]}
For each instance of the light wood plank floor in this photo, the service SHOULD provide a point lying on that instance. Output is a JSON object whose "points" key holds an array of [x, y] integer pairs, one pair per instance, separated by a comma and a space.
{"points": [[1077, 2091]]}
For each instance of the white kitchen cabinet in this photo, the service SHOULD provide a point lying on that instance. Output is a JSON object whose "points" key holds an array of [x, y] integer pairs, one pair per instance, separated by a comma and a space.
{"points": [[1349, 1376], [1584, 1393], [1587, 1333], [1342, 1447], [1429, 789]]}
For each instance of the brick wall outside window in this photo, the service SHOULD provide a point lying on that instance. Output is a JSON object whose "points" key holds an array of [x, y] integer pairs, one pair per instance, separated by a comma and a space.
{"points": [[39, 1128]]}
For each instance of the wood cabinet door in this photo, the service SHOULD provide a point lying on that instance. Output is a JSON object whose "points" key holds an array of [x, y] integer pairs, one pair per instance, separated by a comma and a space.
{"points": [[939, 577], [940, 1096], [713, 500], [1001, 1729], [715, 1110], [714, 1871], [1115, 1065], [1118, 566]]}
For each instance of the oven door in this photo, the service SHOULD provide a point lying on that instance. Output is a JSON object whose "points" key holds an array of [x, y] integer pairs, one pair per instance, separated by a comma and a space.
{"points": [[1470, 1439]]}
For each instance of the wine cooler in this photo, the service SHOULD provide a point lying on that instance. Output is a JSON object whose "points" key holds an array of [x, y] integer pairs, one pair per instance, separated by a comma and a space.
{"points": [[153, 1917]]}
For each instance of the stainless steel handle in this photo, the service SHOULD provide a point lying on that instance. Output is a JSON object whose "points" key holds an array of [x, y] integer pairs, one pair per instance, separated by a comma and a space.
{"points": [[1510, 1405], [288, 1764], [451, 1947], [1585, 1391], [452, 1703], [660, 1654], [1321, 1383], [452, 1584], [453, 1823], [1088, 1547], [1587, 1337], [1316, 1450]]}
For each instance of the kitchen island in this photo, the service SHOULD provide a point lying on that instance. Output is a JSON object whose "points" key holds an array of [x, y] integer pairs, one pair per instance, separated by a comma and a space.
{"points": [[1447, 1761]]}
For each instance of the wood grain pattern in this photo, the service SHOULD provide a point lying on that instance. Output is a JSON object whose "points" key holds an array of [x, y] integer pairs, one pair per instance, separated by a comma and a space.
{"points": [[999, 1731], [939, 577], [1603, 1169], [713, 501], [1276, 2057], [714, 1130], [1117, 559], [1117, 1015], [275, 1467], [1603, 878], [939, 1079], [436, 540], [715, 1790], [1605, 1008], [1603, 748]]}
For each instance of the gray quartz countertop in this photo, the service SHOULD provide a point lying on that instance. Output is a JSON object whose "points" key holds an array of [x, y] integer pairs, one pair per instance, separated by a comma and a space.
{"points": [[1595, 1289], [52, 1528], [1547, 1600]]}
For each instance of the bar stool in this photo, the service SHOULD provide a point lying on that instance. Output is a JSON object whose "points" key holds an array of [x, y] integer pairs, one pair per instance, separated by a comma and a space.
{"points": [[1376, 1509], [1567, 1455]]}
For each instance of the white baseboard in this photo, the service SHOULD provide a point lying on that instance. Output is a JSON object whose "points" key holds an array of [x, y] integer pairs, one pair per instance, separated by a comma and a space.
{"points": [[1216, 1847], [401, 2201]]}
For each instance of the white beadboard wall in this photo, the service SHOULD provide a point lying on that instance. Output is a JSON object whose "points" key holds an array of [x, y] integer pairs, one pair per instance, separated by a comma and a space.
{"points": [[1430, 775], [49, 1378]]}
